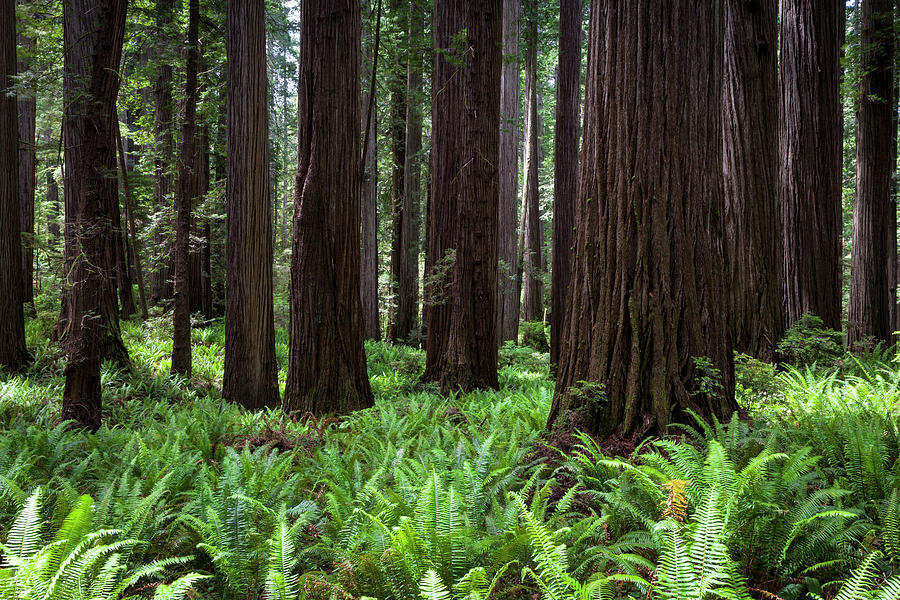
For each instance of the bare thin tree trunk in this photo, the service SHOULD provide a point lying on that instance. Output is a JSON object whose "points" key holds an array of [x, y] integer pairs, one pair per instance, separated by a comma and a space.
{"points": [[129, 212], [412, 177], [368, 210], [161, 288], [26, 118], [532, 301]]}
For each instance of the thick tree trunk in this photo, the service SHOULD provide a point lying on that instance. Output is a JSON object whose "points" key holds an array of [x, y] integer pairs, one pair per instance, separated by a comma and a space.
{"points": [[161, 288], [93, 34], [647, 286], [508, 302], [565, 168], [752, 214], [13, 355], [874, 214], [251, 371], [132, 229], [412, 177], [188, 191], [327, 370], [810, 142], [533, 290], [368, 210], [26, 119], [461, 348]]}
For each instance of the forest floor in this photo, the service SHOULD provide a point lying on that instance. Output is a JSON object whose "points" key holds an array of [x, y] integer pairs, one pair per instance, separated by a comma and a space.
{"points": [[440, 497]]}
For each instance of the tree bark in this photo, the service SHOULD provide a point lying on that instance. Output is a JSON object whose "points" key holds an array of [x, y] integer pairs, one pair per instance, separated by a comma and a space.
{"points": [[647, 279], [412, 177], [129, 212], [874, 214], [26, 118], [461, 348], [565, 168], [327, 370], [93, 33], [188, 191], [13, 354], [810, 142], [533, 289], [508, 302], [750, 166], [368, 208], [205, 283], [251, 371], [161, 288]]}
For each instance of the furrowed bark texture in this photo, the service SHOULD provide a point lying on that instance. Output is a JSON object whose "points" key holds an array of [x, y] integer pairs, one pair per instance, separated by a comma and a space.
{"points": [[810, 145], [532, 285], [188, 191], [327, 371], [508, 303], [461, 348], [750, 167], [368, 215], [161, 287], [565, 167], [647, 274], [13, 354], [874, 214], [93, 33], [251, 371], [26, 119]]}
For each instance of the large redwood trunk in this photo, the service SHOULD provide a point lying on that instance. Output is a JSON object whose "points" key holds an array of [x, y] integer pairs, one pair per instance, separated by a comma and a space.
{"points": [[369, 209], [461, 348], [532, 232], [810, 142], [752, 214], [565, 168], [327, 369], [647, 286], [161, 288], [13, 354], [187, 193], [93, 33], [874, 213], [508, 302], [26, 118], [251, 371]]}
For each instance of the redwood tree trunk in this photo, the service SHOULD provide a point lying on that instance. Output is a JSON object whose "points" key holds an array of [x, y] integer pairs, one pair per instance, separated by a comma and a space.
{"points": [[647, 287], [327, 370], [13, 355], [188, 190], [508, 302], [412, 177], [565, 168], [874, 214], [251, 371], [533, 295], [368, 213], [161, 287], [93, 33], [752, 215], [461, 348], [26, 119], [810, 142]]}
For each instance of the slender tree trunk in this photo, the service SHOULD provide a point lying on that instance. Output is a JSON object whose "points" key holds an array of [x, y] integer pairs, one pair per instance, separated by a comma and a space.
{"points": [[184, 199], [123, 275], [251, 371], [161, 288], [532, 301], [461, 349], [752, 215], [565, 168], [205, 282], [13, 355], [129, 212], [368, 213], [93, 34], [26, 119], [412, 176], [874, 214], [508, 303], [810, 141], [647, 283], [327, 370], [400, 321]]}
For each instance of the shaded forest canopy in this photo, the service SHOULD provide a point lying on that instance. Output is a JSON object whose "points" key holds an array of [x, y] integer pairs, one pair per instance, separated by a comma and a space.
{"points": [[414, 299]]}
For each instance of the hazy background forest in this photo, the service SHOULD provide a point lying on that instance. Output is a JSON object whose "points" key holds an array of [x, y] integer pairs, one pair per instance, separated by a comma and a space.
{"points": [[401, 299]]}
